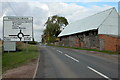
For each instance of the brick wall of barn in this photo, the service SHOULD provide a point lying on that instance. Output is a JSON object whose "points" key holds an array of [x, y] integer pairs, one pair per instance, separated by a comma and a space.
{"points": [[64, 41], [110, 43], [91, 39], [69, 41], [87, 39]]}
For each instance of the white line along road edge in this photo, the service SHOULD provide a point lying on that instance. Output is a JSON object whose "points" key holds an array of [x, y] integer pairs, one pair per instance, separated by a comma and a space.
{"points": [[59, 51], [72, 58], [99, 73], [35, 72]]}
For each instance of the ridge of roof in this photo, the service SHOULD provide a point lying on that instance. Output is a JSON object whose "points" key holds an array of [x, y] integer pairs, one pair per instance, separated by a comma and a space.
{"points": [[97, 13], [108, 12]]}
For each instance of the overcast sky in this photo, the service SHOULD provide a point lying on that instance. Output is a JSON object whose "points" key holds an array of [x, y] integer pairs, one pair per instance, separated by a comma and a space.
{"points": [[40, 11]]}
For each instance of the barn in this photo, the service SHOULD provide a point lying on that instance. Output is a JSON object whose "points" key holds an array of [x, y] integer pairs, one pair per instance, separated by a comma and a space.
{"points": [[98, 31]]}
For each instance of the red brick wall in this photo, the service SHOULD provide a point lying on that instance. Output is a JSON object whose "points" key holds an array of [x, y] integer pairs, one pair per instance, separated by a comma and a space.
{"points": [[76, 43], [110, 43], [118, 45], [81, 44]]}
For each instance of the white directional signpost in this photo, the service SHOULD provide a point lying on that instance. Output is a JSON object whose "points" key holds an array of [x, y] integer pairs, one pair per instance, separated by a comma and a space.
{"points": [[17, 29]]}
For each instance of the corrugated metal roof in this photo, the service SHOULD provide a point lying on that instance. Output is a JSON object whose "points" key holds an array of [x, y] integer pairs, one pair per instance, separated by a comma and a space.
{"points": [[110, 24], [88, 23]]}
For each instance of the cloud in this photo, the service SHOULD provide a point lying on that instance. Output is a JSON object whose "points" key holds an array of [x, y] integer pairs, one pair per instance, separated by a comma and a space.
{"points": [[60, 0], [41, 11]]}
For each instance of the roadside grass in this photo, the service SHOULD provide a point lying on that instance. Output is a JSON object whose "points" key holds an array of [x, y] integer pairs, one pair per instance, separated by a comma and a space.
{"points": [[103, 51], [0, 64], [14, 59]]}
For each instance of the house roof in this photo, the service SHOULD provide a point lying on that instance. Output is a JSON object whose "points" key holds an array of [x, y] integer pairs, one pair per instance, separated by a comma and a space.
{"points": [[88, 23]]}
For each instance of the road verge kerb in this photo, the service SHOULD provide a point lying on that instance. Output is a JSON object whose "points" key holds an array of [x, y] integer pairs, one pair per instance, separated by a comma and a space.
{"points": [[35, 72]]}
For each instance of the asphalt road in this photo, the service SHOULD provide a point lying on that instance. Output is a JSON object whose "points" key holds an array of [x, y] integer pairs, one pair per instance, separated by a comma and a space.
{"points": [[58, 62]]}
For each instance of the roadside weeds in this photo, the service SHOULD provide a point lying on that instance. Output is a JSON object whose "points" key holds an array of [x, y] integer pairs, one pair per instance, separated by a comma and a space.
{"points": [[25, 69]]}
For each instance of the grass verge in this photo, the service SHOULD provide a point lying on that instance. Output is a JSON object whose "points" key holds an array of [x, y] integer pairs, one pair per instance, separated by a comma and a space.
{"points": [[103, 51], [15, 59]]}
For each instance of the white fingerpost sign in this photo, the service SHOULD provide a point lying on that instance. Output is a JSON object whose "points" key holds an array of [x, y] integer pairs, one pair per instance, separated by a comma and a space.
{"points": [[17, 28]]}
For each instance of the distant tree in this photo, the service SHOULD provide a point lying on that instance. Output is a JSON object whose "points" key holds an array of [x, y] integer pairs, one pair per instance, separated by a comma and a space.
{"points": [[54, 25]]}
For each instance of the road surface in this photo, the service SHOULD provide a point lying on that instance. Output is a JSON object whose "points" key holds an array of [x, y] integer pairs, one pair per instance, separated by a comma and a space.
{"points": [[56, 62]]}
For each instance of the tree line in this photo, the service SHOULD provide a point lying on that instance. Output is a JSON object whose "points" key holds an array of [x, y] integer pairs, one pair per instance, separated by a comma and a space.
{"points": [[54, 25]]}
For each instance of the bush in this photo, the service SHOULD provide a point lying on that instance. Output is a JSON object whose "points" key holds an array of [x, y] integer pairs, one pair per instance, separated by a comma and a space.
{"points": [[32, 42]]}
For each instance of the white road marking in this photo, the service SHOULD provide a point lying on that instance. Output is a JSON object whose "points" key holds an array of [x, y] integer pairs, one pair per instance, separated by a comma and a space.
{"points": [[35, 72], [99, 73], [59, 51], [72, 58]]}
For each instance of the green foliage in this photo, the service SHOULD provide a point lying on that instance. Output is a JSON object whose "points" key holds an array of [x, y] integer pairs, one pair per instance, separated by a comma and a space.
{"points": [[20, 46], [15, 59], [32, 42], [54, 26]]}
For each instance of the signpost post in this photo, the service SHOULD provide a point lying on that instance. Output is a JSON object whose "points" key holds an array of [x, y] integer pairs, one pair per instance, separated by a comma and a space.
{"points": [[17, 29]]}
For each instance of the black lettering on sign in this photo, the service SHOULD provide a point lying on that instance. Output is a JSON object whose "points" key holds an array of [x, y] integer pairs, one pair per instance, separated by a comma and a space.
{"points": [[27, 38], [7, 39]]}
